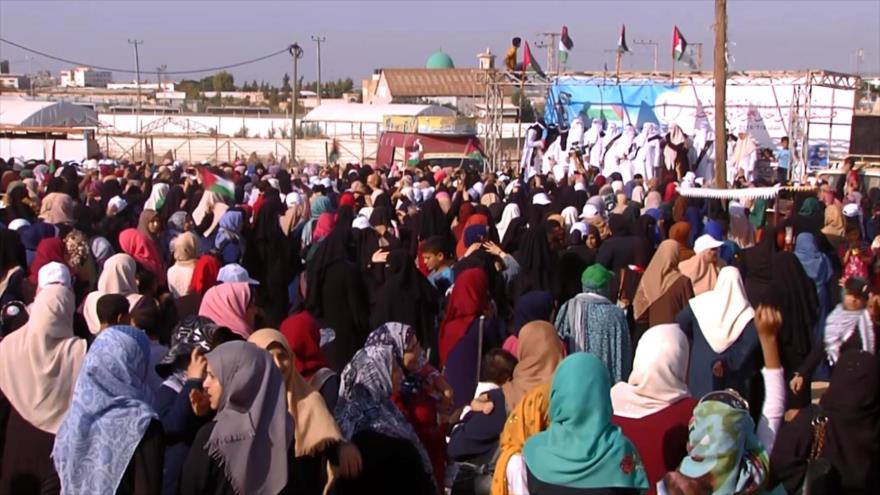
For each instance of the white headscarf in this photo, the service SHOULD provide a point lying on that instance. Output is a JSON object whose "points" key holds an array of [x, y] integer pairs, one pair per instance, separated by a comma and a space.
{"points": [[724, 311], [570, 216], [659, 374], [511, 211]]}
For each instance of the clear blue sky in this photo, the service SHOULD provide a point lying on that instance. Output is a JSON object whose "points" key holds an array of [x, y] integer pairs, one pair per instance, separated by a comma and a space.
{"points": [[364, 35]]}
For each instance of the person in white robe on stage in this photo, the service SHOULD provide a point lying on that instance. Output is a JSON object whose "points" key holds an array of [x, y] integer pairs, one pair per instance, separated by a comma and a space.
{"points": [[529, 163], [704, 152], [621, 155], [647, 145], [612, 133], [744, 157], [593, 148]]}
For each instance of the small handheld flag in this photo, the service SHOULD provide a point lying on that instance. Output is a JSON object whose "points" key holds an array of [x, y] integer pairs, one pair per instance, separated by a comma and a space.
{"points": [[621, 41], [529, 62], [222, 186], [565, 45]]}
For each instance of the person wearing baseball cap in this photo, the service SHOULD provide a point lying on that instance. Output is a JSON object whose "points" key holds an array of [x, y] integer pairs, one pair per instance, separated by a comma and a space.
{"points": [[702, 268]]}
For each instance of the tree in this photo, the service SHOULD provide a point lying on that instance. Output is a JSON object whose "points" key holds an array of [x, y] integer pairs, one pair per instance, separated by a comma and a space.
{"points": [[223, 81], [191, 88], [285, 86]]}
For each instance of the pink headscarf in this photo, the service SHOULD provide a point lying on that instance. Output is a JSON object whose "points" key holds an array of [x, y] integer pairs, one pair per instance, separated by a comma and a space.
{"points": [[226, 304], [325, 223], [140, 247]]}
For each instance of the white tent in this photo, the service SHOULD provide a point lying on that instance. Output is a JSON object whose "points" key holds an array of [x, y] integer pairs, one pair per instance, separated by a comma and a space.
{"points": [[18, 111], [373, 114]]}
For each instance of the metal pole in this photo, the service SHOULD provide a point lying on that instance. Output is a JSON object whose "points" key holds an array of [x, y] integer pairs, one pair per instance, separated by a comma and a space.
{"points": [[296, 52], [720, 76], [699, 47], [319, 40], [656, 47], [137, 70]]}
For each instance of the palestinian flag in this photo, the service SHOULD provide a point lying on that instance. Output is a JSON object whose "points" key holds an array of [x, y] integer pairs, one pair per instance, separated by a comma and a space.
{"points": [[530, 63], [565, 45], [223, 187], [414, 154], [333, 157], [621, 41], [679, 44]]}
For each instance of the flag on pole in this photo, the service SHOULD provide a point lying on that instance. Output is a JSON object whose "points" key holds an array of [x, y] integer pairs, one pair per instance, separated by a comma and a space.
{"points": [[223, 187], [681, 51], [621, 42], [529, 62], [565, 45], [333, 156]]}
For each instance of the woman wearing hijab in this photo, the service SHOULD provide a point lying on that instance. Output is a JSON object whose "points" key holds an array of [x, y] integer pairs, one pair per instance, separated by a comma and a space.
{"points": [[315, 432], [511, 212], [582, 451], [231, 305], [818, 267], [320, 204], [276, 262], [394, 460], [57, 209], [304, 337], [406, 297], [204, 274], [13, 264], [653, 407], [702, 269], [140, 247], [852, 427], [335, 293], [228, 242], [835, 226], [473, 220], [246, 448], [528, 418], [757, 268], [181, 272], [111, 439], [663, 290], [39, 364], [680, 232], [733, 460], [591, 322], [725, 351], [18, 204], [49, 250], [531, 306], [158, 194], [208, 212], [460, 333], [118, 277], [538, 259], [150, 225]]}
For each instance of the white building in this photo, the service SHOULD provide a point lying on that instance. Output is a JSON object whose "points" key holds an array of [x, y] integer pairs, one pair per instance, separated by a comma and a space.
{"points": [[14, 81], [82, 77], [165, 86]]}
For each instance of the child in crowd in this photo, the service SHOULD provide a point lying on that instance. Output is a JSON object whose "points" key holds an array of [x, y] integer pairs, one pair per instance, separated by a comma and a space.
{"points": [[436, 252], [112, 310], [496, 370]]}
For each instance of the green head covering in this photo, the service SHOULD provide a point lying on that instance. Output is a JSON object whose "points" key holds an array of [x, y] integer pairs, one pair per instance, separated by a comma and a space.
{"points": [[756, 213], [810, 207], [27, 173], [723, 448], [582, 448], [596, 277], [320, 205]]}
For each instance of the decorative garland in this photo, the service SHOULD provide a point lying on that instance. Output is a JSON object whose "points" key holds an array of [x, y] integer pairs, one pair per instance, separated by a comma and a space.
{"points": [[740, 194]]}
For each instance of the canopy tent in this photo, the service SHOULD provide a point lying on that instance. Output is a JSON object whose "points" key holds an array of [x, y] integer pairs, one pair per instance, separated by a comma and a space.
{"points": [[16, 111], [373, 114]]}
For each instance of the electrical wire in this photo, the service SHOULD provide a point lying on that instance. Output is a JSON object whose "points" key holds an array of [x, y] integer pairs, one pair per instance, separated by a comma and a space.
{"points": [[129, 71]]}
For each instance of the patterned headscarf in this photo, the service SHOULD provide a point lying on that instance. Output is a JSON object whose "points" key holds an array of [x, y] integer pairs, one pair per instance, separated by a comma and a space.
{"points": [[365, 400], [724, 450], [109, 413], [397, 336]]}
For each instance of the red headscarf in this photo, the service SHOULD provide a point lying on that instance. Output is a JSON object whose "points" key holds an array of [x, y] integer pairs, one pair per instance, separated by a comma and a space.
{"points": [[599, 181], [48, 250], [204, 274], [325, 223], [464, 212], [671, 188], [347, 199], [304, 337], [470, 296], [140, 247], [475, 219]]}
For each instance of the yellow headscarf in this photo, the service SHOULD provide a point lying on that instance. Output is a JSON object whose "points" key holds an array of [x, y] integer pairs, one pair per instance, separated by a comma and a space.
{"points": [[529, 417]]}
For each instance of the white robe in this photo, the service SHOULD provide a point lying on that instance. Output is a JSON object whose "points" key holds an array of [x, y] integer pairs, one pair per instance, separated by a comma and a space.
{"points": [[530, 146], [593, 144], [743, 157], [621, 155], [706, 167], [647, 151]]}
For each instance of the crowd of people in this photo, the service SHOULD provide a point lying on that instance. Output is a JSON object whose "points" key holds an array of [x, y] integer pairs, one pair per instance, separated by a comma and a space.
{"points": [[248, 328]]}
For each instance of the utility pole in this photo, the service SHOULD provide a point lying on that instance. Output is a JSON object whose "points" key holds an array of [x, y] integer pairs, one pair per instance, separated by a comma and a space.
{"points": [[720, 77], [137, 70], [656, 47], [318, 40], [552, 62], [296, 53], [860, 56], [159, 71]]}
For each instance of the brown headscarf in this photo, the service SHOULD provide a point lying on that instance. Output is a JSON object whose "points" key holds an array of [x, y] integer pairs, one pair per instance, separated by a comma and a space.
{"points": [[701, 272], [539, 353], [835, 226], [314, 426], [291, 218], [679, 232], [661, 273], [144, 220], [57, 208]]}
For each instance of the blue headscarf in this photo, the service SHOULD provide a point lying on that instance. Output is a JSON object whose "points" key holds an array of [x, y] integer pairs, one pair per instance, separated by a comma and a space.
{"points": [[475, 233], [814, 262], [109, 413], [532, 306], [695, 219], [715, 229], [229, 228]]}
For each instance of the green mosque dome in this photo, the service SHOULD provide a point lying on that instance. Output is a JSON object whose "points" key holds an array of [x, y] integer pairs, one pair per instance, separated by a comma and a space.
{"points": [[439, 60]]}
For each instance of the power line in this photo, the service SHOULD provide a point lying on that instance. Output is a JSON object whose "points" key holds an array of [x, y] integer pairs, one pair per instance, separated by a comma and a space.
{"points": [[129, 71]]}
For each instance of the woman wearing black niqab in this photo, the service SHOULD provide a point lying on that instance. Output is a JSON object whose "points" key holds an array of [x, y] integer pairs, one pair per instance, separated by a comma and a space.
{"points": [[335, 294], [274, 268], [538, 262], [757, 269], [406, 297]]}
